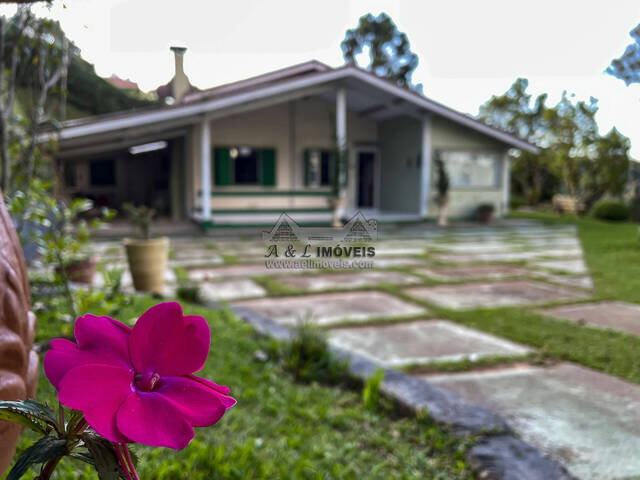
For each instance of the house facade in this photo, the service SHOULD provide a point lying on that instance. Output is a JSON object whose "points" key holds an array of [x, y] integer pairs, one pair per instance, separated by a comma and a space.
{"points": [[242, 153]]}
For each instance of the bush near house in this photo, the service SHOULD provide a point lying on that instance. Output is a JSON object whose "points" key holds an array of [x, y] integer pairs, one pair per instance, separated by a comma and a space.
{"points": [[610, 210]]}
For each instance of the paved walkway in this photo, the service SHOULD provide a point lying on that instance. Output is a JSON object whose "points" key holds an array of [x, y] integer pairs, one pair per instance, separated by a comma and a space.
{"points": [[396, 314]]}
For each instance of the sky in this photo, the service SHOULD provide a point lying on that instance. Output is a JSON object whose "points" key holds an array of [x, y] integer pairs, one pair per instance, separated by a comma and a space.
{"points": [[468, 50]]}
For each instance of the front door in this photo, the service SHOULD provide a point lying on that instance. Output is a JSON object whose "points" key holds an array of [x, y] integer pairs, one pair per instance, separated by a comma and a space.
{"points": [[366, 179]]}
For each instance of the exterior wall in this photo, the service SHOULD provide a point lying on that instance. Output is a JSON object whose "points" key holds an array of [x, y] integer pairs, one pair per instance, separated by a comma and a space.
{"points": [[289, 128], [447, 135], [400, 146]]}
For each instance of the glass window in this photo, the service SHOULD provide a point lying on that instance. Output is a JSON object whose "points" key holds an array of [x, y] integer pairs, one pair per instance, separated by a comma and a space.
{"points": [[472, 169], [102, 173], [319, 168], [245, 165], [70, 177]]}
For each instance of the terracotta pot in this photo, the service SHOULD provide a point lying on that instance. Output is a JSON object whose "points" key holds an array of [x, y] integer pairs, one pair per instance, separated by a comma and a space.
{"points": [[147, 262], [81, 271]]}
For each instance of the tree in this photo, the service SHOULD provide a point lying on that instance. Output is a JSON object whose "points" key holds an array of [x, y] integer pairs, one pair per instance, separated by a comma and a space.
{"points": [[442, 191], [606, 170], [514, 112], [627, 66], [390, 55], [573, 156], [34, 54]]}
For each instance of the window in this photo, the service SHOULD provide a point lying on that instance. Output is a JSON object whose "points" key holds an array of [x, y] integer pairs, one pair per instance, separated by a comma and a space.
{"points": [[244, 166], [472, 169], [70, 176], [102, 173], [319, 167]]}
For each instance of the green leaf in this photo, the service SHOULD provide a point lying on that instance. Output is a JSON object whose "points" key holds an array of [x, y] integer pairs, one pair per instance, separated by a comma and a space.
{"points": [[44, 450], [103, 456], [28, 413]]}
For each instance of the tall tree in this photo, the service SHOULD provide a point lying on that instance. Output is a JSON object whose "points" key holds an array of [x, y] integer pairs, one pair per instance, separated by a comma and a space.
{"points": [[627, 66], [515, 112], [34, 54], [573, 156], [390, 54]]}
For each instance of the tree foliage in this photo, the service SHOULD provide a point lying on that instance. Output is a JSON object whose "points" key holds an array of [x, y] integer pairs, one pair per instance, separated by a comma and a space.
{"points": [[390, 54], [627, 66], [573, 157]]}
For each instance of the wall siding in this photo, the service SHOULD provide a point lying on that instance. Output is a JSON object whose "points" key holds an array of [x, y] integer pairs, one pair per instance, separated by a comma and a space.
{"points": [[447, 135], [400, 147]]}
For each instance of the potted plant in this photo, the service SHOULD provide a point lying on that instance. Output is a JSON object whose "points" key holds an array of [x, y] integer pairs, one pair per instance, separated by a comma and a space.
{"points": [[484, 212], [442, 191], [147, 256]]}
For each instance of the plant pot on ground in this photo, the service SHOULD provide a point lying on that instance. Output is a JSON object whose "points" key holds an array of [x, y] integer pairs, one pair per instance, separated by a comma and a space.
{"points": [[147, 256], [484, 212], [81, 270]]}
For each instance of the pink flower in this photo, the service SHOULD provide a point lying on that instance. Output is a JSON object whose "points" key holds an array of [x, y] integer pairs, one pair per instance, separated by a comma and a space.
{"points": [[136, 384]]}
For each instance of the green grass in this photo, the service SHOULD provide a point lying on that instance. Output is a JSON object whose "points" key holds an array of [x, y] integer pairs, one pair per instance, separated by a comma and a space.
{"points": [[283, 429], [612, 253]]}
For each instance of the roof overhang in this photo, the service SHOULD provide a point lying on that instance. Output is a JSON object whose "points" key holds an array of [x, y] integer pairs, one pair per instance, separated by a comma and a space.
{"points": [[194, 112]]}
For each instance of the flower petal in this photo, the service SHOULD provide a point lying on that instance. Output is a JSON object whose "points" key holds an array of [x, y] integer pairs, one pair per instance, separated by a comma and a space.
{"points": [[98, 391], [200, 405], [165, 341], [148, 418], [65, 355], [104, 335]]}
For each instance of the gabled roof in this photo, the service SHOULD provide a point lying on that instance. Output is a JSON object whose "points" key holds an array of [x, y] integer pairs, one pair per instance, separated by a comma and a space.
{"points": [[278, 83]]}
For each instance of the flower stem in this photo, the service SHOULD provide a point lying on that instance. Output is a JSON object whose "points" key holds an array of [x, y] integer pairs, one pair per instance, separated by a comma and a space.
{"points": [[122, 461], [48, 469], [130, 462]]}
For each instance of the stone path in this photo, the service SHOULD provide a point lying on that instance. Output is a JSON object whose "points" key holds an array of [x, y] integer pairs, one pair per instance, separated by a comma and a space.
{"points": [[588, 420], [620, 316], [331, 308], [490, 295], [422, 342]]}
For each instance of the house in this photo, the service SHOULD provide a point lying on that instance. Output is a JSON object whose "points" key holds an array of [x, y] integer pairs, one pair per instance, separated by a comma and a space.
{"points": [[244, 152]]}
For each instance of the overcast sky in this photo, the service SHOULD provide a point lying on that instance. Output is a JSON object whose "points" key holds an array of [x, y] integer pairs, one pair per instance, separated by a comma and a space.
{"points": [[468, 50]]}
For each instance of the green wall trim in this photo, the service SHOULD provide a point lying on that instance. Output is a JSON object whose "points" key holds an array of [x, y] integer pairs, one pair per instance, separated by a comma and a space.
{"points": [[269, 193], [275, 211]]}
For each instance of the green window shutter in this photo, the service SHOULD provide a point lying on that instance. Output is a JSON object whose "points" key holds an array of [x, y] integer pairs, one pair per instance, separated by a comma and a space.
{"points": [[268, 160], [307, 167], [222, 167]]}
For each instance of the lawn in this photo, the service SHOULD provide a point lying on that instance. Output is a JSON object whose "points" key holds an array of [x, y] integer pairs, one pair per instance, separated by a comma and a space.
{"points": [[284, 429]]}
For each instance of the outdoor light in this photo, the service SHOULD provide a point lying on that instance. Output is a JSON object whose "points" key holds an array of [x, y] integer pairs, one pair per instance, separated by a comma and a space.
{"points": [[148, 147]]}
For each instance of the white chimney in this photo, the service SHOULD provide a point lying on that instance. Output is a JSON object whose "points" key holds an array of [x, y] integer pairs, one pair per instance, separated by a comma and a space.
{"points": [[180, 83]]}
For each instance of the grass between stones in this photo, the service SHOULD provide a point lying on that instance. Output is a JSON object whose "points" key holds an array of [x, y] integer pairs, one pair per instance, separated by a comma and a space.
{"points": [[284, 429]]}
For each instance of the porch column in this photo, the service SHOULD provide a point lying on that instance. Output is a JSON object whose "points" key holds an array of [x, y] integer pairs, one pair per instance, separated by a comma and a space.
{"points": [[506, 183], [341, 119], [205, 168], [425, 166]]}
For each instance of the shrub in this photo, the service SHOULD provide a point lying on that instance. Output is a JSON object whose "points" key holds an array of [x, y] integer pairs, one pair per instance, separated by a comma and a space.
{"points": [[610, 210], [371, 390], [308, 358]]}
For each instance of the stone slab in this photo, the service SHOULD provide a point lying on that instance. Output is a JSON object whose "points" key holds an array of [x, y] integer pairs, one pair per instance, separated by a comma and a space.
{"points": [[395, 262], [230, 271], [331, 308], [575, 266], [346, 280], [588, 420], [231, 289], [422, 342], [624, 317], [496, 294], [580, 281], [473, 272]]}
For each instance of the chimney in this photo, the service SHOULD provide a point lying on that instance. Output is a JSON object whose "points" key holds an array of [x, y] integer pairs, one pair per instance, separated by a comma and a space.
{"points": [[180, 82]]}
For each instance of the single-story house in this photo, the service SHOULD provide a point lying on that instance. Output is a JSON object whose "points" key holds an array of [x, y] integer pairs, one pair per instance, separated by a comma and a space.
{"points": [[244, 152]]}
